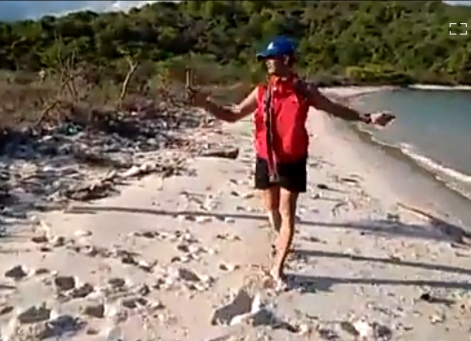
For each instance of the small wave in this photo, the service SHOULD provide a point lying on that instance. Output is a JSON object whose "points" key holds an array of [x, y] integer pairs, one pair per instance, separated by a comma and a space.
{"points": [[430, 164], [440, 87]]}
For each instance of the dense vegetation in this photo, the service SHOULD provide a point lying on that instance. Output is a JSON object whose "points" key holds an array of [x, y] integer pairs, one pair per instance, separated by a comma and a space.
{"points": [[367, 41]]}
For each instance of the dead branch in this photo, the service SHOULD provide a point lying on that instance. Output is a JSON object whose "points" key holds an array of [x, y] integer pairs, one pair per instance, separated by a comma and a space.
{"points": [[69, 67], [132, 68], [67, 79]]}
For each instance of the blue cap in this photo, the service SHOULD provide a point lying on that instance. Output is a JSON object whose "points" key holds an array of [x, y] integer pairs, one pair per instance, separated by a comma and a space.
{"points": [[278, 47]]}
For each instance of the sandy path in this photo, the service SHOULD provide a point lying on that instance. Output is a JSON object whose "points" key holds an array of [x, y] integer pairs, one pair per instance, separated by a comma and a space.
{"points": [[357, 256]]}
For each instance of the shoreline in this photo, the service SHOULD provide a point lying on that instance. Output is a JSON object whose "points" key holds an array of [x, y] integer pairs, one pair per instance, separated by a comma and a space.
{"points": [[162, 256], [417, 86], [433, 171], [439, 175], [436, 172], [440, 87], [419, 185]]}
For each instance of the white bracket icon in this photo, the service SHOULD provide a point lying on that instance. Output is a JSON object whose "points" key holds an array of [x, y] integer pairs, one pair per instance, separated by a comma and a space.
{"points": [[460, 24]]}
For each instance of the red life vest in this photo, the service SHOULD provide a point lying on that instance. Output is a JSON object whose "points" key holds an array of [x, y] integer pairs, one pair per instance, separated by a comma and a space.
{"points": [[289, 137]]}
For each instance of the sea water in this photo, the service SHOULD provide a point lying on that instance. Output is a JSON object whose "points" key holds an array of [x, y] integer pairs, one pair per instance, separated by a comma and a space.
{"points": [[433, 130]]}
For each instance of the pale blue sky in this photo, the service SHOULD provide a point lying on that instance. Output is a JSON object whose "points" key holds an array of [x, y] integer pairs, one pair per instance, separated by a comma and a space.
{"points": [[12, 10]]}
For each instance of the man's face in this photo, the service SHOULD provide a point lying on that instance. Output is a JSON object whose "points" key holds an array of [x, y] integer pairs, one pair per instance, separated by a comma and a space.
{"points": [[276, 65]]}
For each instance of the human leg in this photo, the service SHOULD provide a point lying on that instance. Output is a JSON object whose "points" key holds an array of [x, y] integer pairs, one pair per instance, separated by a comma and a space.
{"points": [[271, 202], [269, 194], [288, 201], [293, 180]]}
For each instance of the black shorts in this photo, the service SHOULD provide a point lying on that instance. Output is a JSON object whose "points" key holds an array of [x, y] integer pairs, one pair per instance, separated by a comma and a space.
{"points": [[291, 176]]}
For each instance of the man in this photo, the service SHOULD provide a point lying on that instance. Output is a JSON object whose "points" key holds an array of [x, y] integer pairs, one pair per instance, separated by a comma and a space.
{"points": [[280, 109]]}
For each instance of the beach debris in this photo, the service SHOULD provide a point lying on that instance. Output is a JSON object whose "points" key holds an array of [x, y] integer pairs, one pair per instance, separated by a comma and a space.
{"points": [[89, 250], [58, 241], [364, 330], [335, 210], [327, 333], [349, 328], [324, 187], [248, 195], [82, 233], [64, 283], [82, 290], [240, 304], [249, 309], [382, 332], [229, 220], [116, 313], [426, 296], [6, 309], [117, 282], [125, 256], [143, 290], [45, 329], [185, 275], [349, 180], [85, 156], [40, 239], [95, 159], [41, 271], [183, 248], [135, 170], [35, 313], [60, 326], [203, 219], [147, 234], [17, 272], [142, 264], [393, 217], [437, 318], [90, 190], [228, 267], [226, 153], [133, 302], [228, 237], [304, 329], [311, 239]]}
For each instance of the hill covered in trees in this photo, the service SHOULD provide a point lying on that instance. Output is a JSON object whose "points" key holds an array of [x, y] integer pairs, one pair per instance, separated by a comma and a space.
{"points": [[367, 41]]}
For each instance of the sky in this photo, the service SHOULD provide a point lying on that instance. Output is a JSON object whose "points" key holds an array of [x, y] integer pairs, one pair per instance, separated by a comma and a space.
{"points": [[17, 10]]}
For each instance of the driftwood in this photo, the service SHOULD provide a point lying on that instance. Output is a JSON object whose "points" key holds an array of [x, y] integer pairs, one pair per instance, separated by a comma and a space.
{"points": [[226, 153]]}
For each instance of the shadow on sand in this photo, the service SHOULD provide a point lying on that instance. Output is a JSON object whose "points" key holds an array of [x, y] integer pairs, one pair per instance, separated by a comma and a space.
{"points": [[436, 230], [322, 283], [313, 284]]}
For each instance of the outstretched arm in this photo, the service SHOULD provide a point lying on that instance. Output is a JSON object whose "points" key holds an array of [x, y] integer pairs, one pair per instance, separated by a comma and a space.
{"points": [[231, 113], [321, 102]]}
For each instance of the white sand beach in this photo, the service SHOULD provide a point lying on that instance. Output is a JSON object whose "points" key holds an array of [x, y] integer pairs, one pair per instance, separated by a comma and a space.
{"points": [[157, 261]]}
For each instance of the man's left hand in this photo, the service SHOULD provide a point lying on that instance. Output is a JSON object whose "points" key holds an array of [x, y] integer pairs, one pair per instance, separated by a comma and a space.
{"points": [[382, 119]]}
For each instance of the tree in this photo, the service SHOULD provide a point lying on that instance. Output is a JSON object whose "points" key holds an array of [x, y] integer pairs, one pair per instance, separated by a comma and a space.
{"points": [[336, 38]]}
